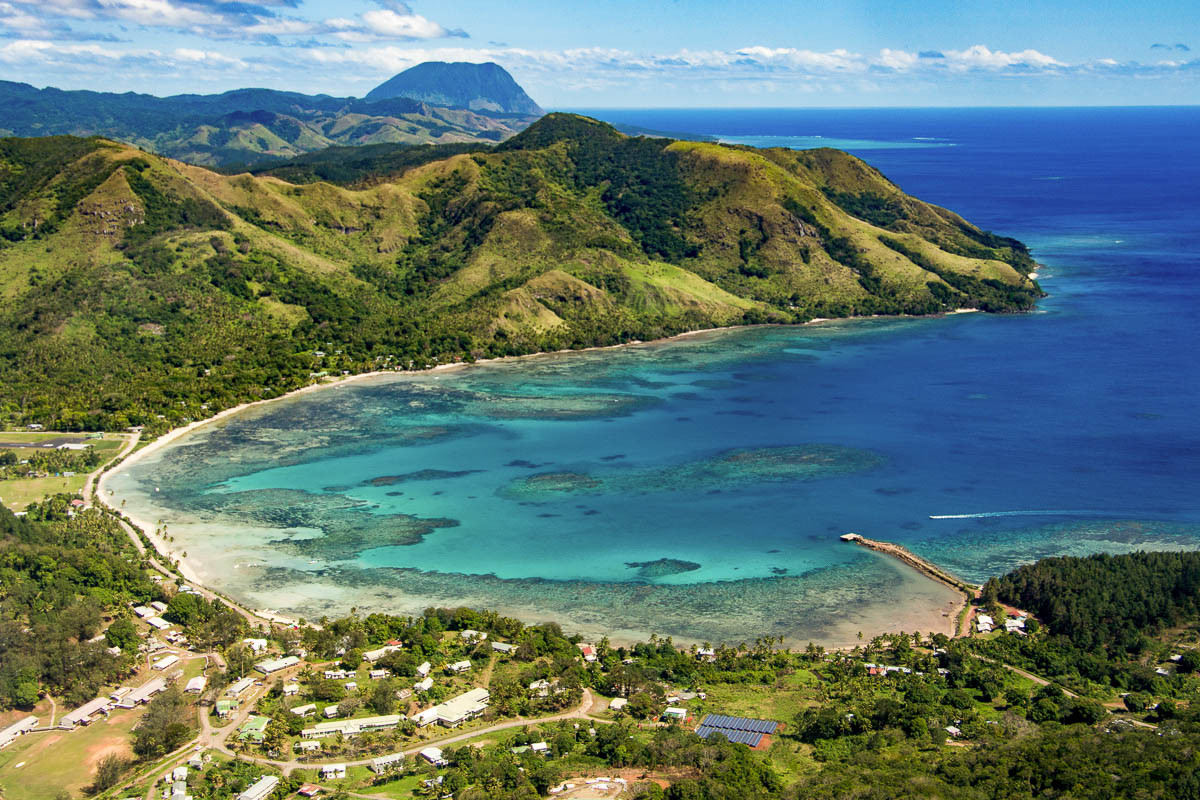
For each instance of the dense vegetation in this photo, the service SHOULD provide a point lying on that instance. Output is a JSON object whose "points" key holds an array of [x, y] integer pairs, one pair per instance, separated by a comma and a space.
{"points": [[352, 166], [1111, 602], [143, 292], [60, 576]]}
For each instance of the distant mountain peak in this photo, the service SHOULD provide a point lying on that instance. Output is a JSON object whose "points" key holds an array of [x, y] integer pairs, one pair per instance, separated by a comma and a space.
{"points": [[478, 87]]}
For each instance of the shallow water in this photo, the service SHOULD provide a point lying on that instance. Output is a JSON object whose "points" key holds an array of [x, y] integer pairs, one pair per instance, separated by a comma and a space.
{"points": [[697, 488]]}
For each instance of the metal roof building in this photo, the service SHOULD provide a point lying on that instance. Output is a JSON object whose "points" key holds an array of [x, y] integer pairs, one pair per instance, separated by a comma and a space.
{"points": [[264, 786]]}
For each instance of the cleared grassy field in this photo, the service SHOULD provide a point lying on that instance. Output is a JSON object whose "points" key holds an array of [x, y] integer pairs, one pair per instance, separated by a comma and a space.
{"points": [[19, 493], [39, 765]]}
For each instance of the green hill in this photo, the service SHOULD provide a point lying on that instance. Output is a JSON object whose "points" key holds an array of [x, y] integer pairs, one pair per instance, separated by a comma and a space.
{"points": [[134, 285]]}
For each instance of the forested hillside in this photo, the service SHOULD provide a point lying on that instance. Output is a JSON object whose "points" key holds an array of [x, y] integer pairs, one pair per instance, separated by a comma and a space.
{"points": [[136, 286]]}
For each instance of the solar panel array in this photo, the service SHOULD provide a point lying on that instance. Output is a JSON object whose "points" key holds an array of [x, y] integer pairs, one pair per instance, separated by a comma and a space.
{"points": [[737, 737], [740, 730], [739, 723]]}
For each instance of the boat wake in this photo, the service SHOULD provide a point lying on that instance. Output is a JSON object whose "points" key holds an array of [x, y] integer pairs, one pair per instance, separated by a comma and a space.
{"points": [[1060, 513]]}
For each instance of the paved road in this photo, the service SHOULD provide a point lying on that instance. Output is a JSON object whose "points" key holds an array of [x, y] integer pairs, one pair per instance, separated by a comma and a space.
{"points": [[579, 712]]}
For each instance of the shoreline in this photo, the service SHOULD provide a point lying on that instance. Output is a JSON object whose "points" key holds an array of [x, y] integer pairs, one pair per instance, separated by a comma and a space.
{"points": [[192, 568]]}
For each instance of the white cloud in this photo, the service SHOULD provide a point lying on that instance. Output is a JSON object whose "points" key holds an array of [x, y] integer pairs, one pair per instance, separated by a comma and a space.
{"points": [[396, 25], [980, 57]]}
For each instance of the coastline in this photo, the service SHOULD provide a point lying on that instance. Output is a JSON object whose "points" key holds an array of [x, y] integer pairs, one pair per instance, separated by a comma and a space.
{"points": [[198, 570]]}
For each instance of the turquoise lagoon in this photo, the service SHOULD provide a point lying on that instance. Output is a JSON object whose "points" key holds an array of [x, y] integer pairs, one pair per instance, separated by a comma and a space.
{"points": [[697, 487]]}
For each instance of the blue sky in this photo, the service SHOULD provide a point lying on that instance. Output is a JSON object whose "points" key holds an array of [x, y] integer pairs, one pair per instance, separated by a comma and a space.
{"points": [[627, 53]]}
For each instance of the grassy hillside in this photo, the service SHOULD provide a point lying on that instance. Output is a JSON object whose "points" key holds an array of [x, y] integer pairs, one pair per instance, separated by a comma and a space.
{"points": [[137, 286]]}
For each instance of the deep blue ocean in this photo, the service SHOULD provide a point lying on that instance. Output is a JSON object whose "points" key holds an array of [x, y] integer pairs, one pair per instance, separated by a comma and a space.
{"points": [[696, 488]]}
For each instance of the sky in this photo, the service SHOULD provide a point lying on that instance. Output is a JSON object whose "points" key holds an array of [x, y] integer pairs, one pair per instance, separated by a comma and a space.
{"points": [[628, 53]]}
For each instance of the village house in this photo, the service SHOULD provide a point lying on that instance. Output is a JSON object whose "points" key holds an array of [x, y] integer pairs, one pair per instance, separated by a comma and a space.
{"points": [[388, 763], [261, 789], [434, 756], [374, 655], [276, 664], [351, 727], [456, 711], [19, 728]]}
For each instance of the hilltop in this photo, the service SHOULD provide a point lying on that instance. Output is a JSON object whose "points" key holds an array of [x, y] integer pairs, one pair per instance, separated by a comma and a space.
{"points": [[137, 286], [478, 87], [246, 126]]}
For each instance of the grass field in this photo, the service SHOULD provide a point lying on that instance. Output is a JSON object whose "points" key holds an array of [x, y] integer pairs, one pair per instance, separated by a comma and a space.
{"points": [[18, 493], [39, 765]]}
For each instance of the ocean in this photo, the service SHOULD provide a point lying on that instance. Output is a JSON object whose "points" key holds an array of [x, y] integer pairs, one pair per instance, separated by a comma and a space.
{"points": [[696, 488]]}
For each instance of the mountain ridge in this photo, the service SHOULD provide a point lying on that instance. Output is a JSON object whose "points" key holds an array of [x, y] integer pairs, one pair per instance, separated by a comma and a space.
{"points": [[232, 127], [136, 285]]}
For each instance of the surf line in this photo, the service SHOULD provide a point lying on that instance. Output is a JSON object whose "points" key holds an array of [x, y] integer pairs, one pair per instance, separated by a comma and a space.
{"points": [[982, 514]]}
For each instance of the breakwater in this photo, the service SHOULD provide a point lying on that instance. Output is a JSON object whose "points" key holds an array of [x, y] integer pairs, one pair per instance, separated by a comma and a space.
{"points": [[922, 565]]}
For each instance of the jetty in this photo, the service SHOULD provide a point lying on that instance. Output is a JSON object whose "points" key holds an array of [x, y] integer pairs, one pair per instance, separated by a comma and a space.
{"points": [[922, 565]]}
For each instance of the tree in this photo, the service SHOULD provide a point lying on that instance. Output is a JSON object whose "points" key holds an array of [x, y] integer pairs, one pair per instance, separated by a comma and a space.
{"points": [[123, 634], [164, 726], [1137, 701], [108, 773], [26, 695], [383, 697]]}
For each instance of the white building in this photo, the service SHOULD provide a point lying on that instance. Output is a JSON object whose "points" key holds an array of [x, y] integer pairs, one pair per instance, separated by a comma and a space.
{"points": [[423, 686], [434, 756], [159, 606], [458, 667], [424, 669], [291, 689], [261, 789], [472, 636], [304, 710], [10, 734], [456, 711], [387, 763], [375, 655], [351, 727], [256, 645], [158, 623], [618, 703], [276, 664], [240, 687], [84, 714], [165, 661], [503, 647], [143, 693], [333, 771]]}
